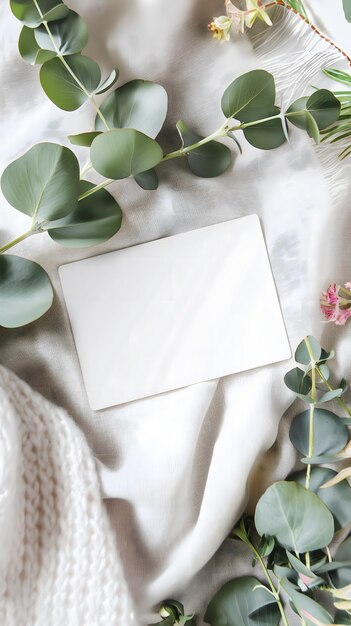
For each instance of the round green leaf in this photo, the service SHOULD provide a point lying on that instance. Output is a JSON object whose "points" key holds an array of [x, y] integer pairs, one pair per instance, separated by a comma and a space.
{"points": [[297, 380], [322, 105], [337, 498], [209, 160], [61, 86], [238, 603], [29, 49], [296, 113], [83, 139], [69, 34], [248, 95], [25, 291], [27, 12], [342, 576], [296, 517], [302, 354], [44, 182], [330, 434], [124, 152], [139, 104], [95, 220], [147, 180], [347, 9], [268, 135]]}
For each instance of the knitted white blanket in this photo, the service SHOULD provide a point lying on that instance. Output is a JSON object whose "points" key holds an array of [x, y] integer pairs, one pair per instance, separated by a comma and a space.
{"points": [[59, 565]]}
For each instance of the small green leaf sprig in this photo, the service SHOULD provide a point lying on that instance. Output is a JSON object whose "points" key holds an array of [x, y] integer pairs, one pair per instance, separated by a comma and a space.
{"points": [[47, 184], [297, 519]]}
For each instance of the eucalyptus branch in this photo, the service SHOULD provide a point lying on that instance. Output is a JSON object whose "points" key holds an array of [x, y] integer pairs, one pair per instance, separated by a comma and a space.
{"points": [[243, 536], [69, 69], [311, 426]]}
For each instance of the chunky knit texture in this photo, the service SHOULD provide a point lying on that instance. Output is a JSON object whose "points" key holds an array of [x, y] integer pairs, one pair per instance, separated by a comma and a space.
{"points": [[59, 564]]}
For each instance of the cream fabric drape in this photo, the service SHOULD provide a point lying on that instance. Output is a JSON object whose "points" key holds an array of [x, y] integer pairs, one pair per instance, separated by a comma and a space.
{"points": [[179, 468]]}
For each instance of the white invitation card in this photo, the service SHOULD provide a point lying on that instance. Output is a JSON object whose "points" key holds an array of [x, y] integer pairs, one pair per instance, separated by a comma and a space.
{"points": [[174, 312]]}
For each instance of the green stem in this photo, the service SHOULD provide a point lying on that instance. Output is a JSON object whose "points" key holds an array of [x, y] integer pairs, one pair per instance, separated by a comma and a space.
{"points": [[90, 192], [330, 388], [14, 242], [311, 427], [221, 132], [255, 123], [64, 62], [269, 580]]}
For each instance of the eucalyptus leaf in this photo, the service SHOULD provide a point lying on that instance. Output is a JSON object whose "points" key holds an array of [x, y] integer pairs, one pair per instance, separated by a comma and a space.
{"points": [[336, 498], [95, 220], [44, 182], [240, 602], [330, 395], [298, 381], [305, 606], [347, 9], [25, 291], [83, 139], [267, 135], [27, 12], [314, 113], [326, 356], [266, 546], [324, 370], [232, 136], [147, 180], [60, 84], [312, 127], [249, 95], [295, 516], [108, 82], [29, 49], [209, 160], [330, 434], [342, 576], [281, 572], [307, 578], [69, 35], [324, 107], [302, 354], [139, 104], [124, 152]]}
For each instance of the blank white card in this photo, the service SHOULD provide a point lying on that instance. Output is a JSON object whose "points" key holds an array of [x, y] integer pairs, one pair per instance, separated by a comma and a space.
{"points": [[174, 312]]}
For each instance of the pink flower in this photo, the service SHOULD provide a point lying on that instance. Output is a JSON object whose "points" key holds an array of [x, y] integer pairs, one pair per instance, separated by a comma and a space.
{"points": [[328, 312], [342, 317], [335, 303], [331, 295]]}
